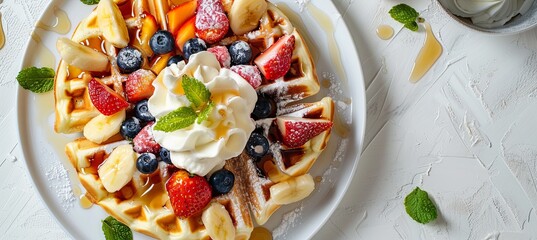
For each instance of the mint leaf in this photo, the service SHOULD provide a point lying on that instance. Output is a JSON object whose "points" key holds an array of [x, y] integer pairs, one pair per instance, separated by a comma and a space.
{"points": [[196, 92], [90, 2], [406, 15], [37, 80], [419, 207], [180, 118], [115, 230], [204, 114]]}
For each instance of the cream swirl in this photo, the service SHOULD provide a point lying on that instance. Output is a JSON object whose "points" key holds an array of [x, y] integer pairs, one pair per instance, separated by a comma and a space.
{"points": [[488, 13], [203, 147]]}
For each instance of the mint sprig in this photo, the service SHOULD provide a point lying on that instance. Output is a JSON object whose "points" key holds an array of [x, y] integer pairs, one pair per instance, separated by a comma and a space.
{"points": [[115, 230], [90, 2], [202, 106], [419, 207], [37, 80], [406, 15]]}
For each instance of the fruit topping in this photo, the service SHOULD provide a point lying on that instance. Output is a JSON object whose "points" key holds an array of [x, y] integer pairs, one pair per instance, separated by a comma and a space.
{"points": [[101, 128], [222, 55], [264, 108], [244, 15], [112, 25], [162, 42], [141, 111], [241, 53], [189, 194], [193, 46], [292, 190], [180, 14], [104, 98], [145, 142], [257, 146], [129, 59], [218, 223], [175, 59], [222, 181], [250, 73], [160, 62], [148, 29], [165, 155], [296, 132], [276, 60], [185, 32], [117, 170], [139, 85], [147, 163], [81, 56], [130, 128], [212, 23]]}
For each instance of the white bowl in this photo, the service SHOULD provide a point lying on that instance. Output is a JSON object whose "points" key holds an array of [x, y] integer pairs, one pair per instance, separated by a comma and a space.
{"points": [[518, 24]]}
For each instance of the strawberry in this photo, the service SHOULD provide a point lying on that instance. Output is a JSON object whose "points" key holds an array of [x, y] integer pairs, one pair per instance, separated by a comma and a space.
{"points": [[250, 73], [276, 60], [222, 55], [297, 131], [212, 23], [104, 98], [139, 85], [145, 142], [189, 194]]}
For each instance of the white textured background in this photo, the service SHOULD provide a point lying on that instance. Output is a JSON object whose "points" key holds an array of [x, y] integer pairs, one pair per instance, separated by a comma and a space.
{"points": [[466, 132]]}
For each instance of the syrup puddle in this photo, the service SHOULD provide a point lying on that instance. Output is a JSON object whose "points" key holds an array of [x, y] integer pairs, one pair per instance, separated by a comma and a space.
{"points": [[2, 35], [261, 233], [62, 23], [85, 202], [384, 32], [326, 24], [45, 56], [429, 53]]}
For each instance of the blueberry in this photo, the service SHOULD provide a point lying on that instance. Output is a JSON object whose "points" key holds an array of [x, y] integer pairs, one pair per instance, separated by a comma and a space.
{"points": [[165, 155], [147, 163], [192, 46], [264, 108], [162, 42], [141, 111], [257, 146], [174, 60], [130, 127], [240, 53], [222, 181], [129, 59]]}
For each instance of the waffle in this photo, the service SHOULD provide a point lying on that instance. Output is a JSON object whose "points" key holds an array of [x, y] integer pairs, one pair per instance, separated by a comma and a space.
{"points": [[143, 204]]}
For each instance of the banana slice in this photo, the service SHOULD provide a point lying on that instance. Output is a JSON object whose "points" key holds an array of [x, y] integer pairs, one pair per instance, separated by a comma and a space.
{"points": [[117, 170], [80, 56], [292, 190], [101, 128], [112, 24], [244, 15], [218, 222]]}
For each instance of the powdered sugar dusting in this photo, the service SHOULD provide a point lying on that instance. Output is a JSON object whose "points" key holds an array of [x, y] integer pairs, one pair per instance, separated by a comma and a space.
{"points": [[289, 220], [338, 157], [58, 179], [302, 4]]}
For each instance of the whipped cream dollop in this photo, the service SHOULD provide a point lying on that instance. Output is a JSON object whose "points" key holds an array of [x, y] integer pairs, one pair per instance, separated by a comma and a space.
{"points": [[202, 148], [488, 13]]}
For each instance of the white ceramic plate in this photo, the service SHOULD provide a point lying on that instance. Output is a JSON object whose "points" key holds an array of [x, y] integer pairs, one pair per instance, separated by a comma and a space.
{"points": [[338, 68]]}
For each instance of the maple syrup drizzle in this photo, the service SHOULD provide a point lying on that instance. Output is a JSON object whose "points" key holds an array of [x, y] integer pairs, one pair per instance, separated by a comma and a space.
{"points": [[384, 32], [45, 56], [62, 23], [2, 35], [85, 202], [429, 53], [299, 24], [261, 233]]}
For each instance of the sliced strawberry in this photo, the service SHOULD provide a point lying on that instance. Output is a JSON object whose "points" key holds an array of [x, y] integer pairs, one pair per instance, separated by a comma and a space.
{"points": [[189, 194], [139, 85], [186, 32], [222, 55], [180, 14], [212, 23], [276, 60], [145, 142], [297, 131], [104, 98], [250, 73]]}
